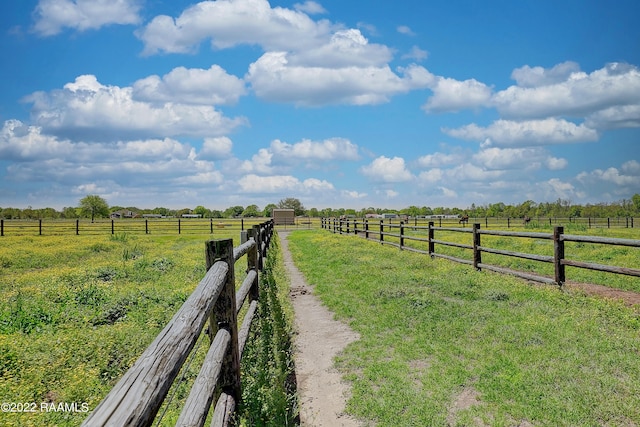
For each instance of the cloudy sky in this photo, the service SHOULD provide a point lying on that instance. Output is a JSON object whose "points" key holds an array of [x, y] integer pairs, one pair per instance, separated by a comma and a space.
{"points": [[338, 103]]}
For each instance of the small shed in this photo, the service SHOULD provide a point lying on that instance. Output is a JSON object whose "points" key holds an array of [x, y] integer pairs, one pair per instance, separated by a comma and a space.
{"points": [[283, 217]]}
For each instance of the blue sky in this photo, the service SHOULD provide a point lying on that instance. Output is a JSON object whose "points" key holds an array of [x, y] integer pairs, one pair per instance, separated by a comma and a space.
{"points": [[339, 104]]}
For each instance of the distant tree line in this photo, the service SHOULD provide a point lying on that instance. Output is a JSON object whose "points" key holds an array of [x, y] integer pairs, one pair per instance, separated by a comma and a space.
{"points": [[93, 206]]}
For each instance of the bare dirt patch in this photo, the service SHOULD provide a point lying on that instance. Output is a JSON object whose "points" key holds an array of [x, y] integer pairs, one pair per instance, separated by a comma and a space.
{"points": [[628, 297], [319, 338]]}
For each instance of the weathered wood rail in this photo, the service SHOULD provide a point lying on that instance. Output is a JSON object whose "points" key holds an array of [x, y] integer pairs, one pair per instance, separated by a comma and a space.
{"points": [[16, 227], [378, 230], [137, 397]]}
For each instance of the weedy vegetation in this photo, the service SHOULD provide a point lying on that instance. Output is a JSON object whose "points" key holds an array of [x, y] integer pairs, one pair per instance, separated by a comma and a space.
{"points": [[444, 345], [77, 311]]}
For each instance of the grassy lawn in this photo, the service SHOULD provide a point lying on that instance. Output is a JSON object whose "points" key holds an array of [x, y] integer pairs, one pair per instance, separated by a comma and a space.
{"points": [[443, 344], [620, 256], [77, 311]]}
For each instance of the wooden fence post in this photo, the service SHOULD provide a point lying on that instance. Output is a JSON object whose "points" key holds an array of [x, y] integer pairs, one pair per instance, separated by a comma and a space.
{"points": [[558, 255], [1, 227], [77, 227], [401, 234], [366, 229], [40, 227], [432, 245], [112, 227], [146, 226], [477, 253], [223, 316], [355, 226], [179, 226], [256, 236], [253, 262], [381, 231]]}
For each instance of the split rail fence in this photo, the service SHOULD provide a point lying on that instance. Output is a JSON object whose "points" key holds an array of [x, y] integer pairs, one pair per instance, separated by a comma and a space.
{"points": [[136, 399], [379, 230], [40, 227]]}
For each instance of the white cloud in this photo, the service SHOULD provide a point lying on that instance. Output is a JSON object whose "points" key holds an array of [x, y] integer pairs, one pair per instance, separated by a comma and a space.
{"points": [[281, 183], [454, 95], [625, 116], [281, 156], [564, 91], [558, 189], [384, 169], [431, 176], [495, 158], [329, 149], [632, 167], [345, 48], [230, 23], [555, 163], [538, 76], [416, 54], [152, 162], [199, 179], [403, 29], [310, 7], [440, 159], [191, 86], [216, 148], [526, 133], [51, 16], [274, 79], [86, 109], [613, 176], [259, 163], [613, 182], [353, 194]]}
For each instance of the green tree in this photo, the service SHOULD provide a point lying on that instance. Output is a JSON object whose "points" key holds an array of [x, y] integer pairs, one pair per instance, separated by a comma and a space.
{"points": [[233, 211], [94, 205], [69, 212], [292, 203], [251, 211], [268, 210], [202, 211], [635, 199]]}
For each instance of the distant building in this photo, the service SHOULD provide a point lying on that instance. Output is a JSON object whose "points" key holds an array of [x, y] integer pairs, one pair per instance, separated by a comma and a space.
{"points": [[191, 215], [283, 217], [123, 213], [388, 216]]}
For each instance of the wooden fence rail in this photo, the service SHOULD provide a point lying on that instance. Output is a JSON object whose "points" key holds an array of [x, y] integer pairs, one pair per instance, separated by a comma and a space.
{"points": [[376, 231], [19, 227], [136, 399]]}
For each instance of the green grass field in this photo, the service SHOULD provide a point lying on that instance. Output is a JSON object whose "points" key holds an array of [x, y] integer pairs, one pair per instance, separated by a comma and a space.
{"points": [[619, 256], [442, 344], [77, 311]]}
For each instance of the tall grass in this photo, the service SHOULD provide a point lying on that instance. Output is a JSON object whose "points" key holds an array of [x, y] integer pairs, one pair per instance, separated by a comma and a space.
{"points": [[77, 311], [268, 375], [434, 332]]}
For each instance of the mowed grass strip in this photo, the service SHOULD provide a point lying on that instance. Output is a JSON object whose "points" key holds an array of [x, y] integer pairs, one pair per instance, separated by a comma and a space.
{"points": [[617, 256], [444, 345]]}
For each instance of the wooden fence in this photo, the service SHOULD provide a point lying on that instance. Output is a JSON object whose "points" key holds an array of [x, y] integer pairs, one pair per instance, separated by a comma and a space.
{"points": [[427, 235], [535, 222], [19, 227], [136, 399]]}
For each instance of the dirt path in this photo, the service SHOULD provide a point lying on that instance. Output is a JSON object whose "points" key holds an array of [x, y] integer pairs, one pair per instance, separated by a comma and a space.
{"points": [[319, 338]]}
